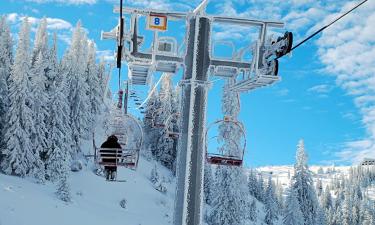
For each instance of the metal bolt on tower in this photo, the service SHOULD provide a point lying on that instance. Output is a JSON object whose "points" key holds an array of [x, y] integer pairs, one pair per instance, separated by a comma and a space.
{"points": [[198, 63]]}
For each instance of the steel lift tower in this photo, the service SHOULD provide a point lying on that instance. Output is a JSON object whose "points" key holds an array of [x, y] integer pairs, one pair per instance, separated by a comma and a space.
{"points": [[198, 63]]}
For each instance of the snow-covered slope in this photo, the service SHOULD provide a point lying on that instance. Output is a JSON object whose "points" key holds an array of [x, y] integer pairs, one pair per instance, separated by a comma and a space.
{"points": [[283, 174], [95, 201]]}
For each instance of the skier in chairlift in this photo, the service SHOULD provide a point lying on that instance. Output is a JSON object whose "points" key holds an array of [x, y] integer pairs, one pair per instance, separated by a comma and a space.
{"points": [[111, 149]]}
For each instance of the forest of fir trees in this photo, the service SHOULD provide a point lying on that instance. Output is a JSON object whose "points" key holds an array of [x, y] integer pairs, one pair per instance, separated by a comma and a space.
{"points": [[47, 106], [236, 196]]}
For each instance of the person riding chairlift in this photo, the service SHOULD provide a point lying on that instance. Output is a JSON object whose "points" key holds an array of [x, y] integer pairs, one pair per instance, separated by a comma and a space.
{"points": [[110, 151]]}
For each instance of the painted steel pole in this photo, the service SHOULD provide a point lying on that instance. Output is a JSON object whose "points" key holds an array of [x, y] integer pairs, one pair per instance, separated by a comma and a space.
{"points": [[191, 154]]}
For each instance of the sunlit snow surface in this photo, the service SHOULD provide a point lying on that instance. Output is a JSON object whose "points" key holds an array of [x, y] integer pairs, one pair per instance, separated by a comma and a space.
{"points": [[95, 201]]}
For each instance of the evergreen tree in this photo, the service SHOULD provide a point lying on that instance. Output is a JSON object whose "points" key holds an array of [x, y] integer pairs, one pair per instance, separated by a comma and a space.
{"points": [[41, 43], [19, 158], [40, 114], [59, 135], [228, 201], [231, 196], [292, 213], [5, 67], [208, 183], [319, 187], [302, 184], [94, 88], [252, 184], [270, 204], [74, 66], [151, 111], [63, 189], [327, 199], [252, 213], [52, 72], [346, 209], [260, 189], [165, 151]]}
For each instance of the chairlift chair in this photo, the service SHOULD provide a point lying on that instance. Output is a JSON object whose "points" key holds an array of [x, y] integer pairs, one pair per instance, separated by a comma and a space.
{"points": [[222, 158], [120, 98], [130, 136], [173, 135]]}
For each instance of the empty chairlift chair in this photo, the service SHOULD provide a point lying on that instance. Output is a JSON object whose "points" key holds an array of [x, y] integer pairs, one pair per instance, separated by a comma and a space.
{"points": [[225, 150]]}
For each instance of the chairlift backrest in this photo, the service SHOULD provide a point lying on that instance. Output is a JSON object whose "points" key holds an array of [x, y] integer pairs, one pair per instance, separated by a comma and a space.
{"points": [[167, 45], [224, 158]]}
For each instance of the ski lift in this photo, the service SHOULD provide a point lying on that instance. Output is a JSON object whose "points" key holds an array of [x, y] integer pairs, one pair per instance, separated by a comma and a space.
{"points": [[221, 157], [173, 135], [130, 136], [159, 125], [120, 98]]}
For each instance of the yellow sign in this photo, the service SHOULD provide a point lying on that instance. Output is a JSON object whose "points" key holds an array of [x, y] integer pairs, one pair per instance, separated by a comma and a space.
{"points": [[157, 22]]}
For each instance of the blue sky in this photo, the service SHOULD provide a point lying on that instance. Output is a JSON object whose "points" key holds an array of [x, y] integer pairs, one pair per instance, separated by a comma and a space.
{"points": [[327, 92]]}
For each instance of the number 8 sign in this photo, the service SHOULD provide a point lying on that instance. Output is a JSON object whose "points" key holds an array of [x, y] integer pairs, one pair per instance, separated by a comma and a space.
{"points": [[157, 22]]}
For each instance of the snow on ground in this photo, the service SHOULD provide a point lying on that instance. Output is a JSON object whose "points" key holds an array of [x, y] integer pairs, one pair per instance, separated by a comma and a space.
{"points": [[95, 201], [282, 174], [371, 192]]}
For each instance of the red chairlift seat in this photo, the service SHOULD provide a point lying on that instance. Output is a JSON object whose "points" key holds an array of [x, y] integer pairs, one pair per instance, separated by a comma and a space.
{"points": [[222, 158], [159, 125], [173, 135], [217, 159]]}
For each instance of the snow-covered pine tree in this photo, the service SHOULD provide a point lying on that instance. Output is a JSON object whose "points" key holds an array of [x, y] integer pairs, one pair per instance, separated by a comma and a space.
{"points": [[39, 69], [302, 184], [252, 212], [252, 183], [261, 190], [347, 209], [94, 88], [368, 213], [6, 49], [292, 212], [52, 72], [19, 158], [74, 65], [63, 188], [208, 183], [40, 114], [327, 199], [279, 197], [270, 205], [319, 187], [151, 111], [165, 151], [6, 58], [231, 197], [59, 135], [227, 203], [40, 43]]}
